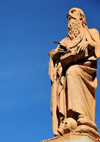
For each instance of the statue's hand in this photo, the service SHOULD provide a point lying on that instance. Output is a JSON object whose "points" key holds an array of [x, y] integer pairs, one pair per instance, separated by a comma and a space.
{"points": [[62, 48], [56, 52], [81, 46]]}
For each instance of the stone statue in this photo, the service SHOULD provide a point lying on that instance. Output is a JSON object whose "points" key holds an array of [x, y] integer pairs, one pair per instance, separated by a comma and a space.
{"points": [[72, 70]]}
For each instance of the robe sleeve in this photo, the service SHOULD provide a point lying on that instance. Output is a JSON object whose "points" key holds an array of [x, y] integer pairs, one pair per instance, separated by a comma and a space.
{"points": [[95, 37]]}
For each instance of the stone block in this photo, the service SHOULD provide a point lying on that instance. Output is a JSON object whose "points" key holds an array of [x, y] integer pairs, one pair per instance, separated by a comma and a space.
{"points": [[80, 139], [77, 137]]}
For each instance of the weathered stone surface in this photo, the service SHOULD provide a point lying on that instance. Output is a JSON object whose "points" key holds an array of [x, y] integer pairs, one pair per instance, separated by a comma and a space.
{"points": [[72, 70], [77, 137], [81, 139]]}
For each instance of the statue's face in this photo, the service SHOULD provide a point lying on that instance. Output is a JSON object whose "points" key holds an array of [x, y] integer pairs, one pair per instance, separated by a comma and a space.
{"points": [[74, 23], [73, 15], [71, 22]]}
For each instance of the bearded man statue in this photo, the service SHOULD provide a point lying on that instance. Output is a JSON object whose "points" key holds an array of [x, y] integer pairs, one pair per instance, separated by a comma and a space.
{"points": [[72, 70]]}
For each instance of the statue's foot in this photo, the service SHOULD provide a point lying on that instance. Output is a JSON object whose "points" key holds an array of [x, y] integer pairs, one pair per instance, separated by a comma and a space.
{"points": [[88, 130], [86, 125], [85, 120]]}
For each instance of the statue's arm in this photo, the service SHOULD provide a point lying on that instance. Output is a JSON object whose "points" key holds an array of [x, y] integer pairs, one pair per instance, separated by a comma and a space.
{"points": [[94, 41], [93, 37]]}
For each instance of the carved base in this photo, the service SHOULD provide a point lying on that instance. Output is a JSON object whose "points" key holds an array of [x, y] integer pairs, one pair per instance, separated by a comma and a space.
{"points": [[73, 136]]}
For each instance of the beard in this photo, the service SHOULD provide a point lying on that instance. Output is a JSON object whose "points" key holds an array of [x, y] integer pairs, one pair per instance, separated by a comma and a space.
{"points": [[74, 27]]}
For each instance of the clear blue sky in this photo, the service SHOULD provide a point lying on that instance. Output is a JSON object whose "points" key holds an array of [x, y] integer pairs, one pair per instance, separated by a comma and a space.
{"points": [[28, 29]]}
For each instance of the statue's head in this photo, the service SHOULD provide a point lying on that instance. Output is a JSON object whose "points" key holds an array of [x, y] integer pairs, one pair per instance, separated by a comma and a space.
{"points": [[76, 21]]}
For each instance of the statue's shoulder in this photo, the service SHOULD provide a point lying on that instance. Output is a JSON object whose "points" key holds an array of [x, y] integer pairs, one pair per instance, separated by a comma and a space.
{"points": [[94, 33]]}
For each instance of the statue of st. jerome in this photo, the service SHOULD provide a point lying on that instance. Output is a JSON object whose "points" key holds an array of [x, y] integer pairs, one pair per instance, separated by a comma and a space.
{"points": [[72, 70]]}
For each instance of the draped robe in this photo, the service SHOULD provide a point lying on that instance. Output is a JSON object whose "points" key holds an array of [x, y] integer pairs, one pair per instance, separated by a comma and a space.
{"points": [[74, 88]]}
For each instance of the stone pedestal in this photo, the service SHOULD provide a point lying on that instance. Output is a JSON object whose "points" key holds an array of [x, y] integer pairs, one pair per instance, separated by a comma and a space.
{"points": [[77, 137], [80, 139]]}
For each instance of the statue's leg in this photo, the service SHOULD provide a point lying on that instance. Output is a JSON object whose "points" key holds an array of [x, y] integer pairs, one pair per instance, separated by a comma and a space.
{"points": [[80, 91]]}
